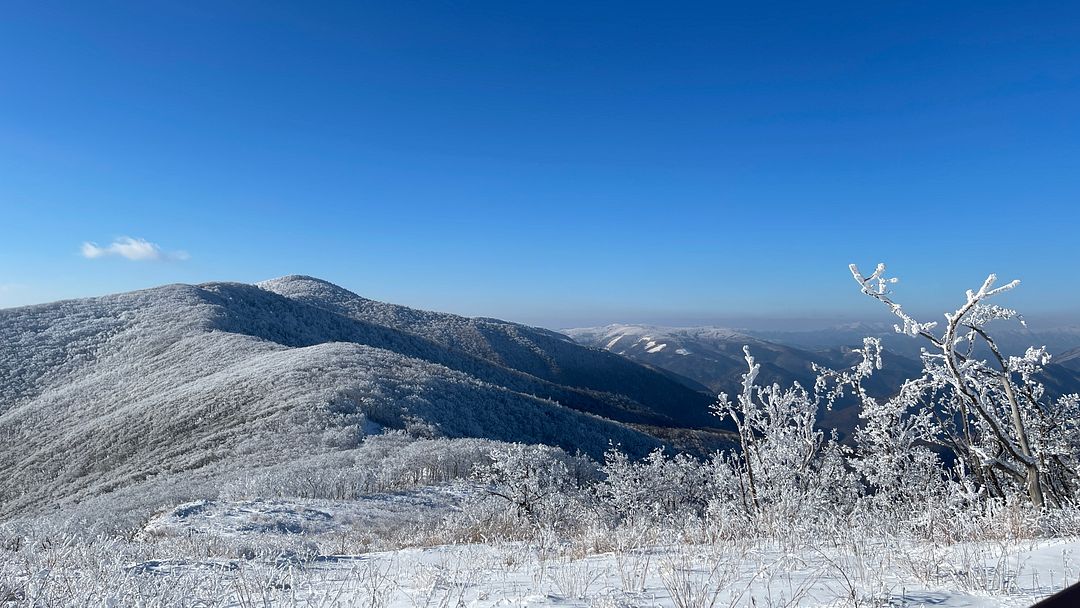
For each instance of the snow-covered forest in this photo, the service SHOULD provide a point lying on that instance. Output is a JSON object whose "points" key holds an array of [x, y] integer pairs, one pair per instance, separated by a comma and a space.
{"points": [[409, 482]]}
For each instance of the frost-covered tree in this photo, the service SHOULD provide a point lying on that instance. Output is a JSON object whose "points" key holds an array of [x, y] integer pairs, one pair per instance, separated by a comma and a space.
{"points": [[788, 470], [655, 488], [991, 412], [534, 481], [892, 454]]}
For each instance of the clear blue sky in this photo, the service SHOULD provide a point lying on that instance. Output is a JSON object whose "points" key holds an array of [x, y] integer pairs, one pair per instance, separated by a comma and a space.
{"points": [[551, 162]]}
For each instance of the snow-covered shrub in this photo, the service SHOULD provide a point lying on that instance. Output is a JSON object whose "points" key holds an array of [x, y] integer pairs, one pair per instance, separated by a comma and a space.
{"points": [[388, 462], [658, 488], [790, 475], [904, 480], [531, 485], [992, 413]]}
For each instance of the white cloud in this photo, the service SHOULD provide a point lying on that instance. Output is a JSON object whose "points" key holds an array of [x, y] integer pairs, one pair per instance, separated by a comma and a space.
{"points": [[139, 250]]}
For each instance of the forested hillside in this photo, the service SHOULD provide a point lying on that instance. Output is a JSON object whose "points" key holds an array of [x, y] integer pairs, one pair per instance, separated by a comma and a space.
{"points": [[147, 391]]}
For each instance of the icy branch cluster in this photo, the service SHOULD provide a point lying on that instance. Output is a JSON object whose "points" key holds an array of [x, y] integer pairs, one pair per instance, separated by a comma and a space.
{"points": [[991, 413]]}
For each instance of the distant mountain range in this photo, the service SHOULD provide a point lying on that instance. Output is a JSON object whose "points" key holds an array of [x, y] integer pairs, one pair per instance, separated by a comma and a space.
{"points": [[713, 357], [139, 389]]}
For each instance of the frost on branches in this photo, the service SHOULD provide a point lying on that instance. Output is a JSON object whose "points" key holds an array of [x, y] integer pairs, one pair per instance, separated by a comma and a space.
{"points": [[788, 471], [974, 432], [992, 413]]}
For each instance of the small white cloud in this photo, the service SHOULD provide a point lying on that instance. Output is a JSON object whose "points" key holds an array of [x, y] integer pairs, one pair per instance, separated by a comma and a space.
{"points": [[139, 250]]}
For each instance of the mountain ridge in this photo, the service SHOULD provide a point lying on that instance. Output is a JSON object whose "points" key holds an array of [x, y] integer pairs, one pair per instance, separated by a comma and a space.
{"points": [[136, 391]]}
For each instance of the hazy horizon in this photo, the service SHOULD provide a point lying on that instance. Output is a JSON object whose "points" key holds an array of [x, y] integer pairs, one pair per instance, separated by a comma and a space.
{"points": [[562, 318]]}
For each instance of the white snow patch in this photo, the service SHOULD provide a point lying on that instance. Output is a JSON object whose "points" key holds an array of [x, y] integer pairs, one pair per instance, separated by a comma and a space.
{"points": [[656, 349], [302, 517], [613, 341], [682, 351]]}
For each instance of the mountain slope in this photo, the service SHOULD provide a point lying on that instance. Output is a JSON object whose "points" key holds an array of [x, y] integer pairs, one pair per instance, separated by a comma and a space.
{"points": [[711, 356], [714, 357], [1069, 359], [140, 389], [541, 353]]}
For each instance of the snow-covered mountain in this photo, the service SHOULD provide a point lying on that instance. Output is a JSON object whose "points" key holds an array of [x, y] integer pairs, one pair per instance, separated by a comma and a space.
{"points": [[1069, 359], [713, 357], [139, 393], [538, 352]]}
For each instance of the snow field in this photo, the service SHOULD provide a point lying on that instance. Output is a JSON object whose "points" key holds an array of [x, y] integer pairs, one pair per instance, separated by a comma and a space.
{"points": [[867, 572]]}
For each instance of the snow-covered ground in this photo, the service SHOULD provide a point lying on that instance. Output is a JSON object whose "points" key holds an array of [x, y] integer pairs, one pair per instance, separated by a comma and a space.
{"points": [[517, 575], [263, 517], [285, 553]]}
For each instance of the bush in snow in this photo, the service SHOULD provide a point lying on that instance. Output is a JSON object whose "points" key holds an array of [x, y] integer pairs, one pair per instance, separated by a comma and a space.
{"points": [[533, 484], [788, 472], [656, 489], [991, 413]]}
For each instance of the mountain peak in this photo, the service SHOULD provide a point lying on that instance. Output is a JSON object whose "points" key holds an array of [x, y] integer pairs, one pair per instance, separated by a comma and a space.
{"points": [[304, 287], [297, 278]]}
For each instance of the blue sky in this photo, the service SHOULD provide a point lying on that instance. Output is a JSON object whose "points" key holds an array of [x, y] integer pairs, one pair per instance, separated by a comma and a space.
{"points": [[553, 163]]}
